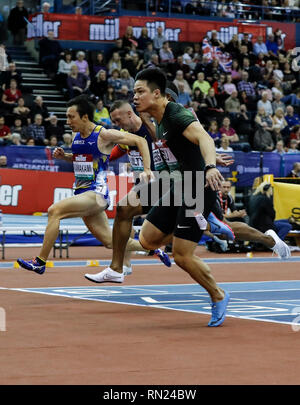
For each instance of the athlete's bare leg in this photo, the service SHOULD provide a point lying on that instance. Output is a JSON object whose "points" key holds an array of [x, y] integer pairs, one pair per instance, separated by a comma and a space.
{"points": [[79, 206], [121, 232], [245, 232], [76, 206], [184, 256]]}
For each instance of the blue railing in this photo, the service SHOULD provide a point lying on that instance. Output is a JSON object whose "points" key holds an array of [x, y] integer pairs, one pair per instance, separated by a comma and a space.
{"points": [[181, 8]]}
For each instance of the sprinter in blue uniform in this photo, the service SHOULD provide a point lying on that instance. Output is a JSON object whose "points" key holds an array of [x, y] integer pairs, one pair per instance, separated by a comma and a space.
{"points": [[91, 148]]}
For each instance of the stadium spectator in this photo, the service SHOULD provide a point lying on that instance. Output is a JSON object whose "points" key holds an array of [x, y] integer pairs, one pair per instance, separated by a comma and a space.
{"points": [[292, 99], [291, 117], [279, 121], [64, 69], [129, 38], [78, 83], [184, 97], [149, 51], [245, 85], [262, 119], [159, 39], [114, 63], [12, 73], [272, 46], [3, 161], [22, 111], [224, 145], [10, 96], [5, 132], [166, 54], [118, 47], [279, 148], [99, 64], [213, 108], [50, 53], [262, 213], [246, 40], [277, 103], [179, 65], [16, 139], [37, 131], [265, 103], [17, 24], [235, 70], [187, 57], [295, 172], [99, 84], [260, 47], [46, 7], [115, 81], [293, 147], [126, 79], [30, 142], [101, 115], [243, 124], [83, 66], [143, 39], [180, 79], [230, 212], [295, 135], [277, 88], [213, 131], [53, 141], [233, 46], [54, 128], [125, 94], [229, 87], [137, 64], [232, 104], [78, 10], [109, 97], [214, 41], [227, 131], [201, 83], [263, 140], [20, 129], [39, 108], [67, 138], [289, 80]]}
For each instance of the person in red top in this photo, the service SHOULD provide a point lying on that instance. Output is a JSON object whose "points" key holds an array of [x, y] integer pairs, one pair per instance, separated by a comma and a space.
{"points": [[11, 96], [5, 134], [228, 131], [295, 134]]}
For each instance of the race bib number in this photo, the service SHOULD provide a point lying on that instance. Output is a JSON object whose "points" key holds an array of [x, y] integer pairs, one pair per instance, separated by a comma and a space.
{"points": [[83, 167], [163, 156], [136, 160]]}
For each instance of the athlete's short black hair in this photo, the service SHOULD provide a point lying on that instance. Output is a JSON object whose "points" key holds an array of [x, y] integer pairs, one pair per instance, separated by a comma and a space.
{"points": [[84, 106], [156, 79]]}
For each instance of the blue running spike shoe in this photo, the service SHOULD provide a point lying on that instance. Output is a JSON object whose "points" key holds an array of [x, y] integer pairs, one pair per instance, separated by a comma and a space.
{"points": [[217, 227], [163, 257], [32, 265], [218, 311]]}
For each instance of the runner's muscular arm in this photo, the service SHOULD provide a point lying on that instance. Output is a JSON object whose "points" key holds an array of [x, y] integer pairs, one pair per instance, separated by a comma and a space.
{"points": [[125, 138], [196, 134]]}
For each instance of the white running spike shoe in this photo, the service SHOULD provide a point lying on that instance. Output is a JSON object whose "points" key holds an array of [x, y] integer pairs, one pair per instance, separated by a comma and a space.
{"points": [[106, 276], [280, 247]]}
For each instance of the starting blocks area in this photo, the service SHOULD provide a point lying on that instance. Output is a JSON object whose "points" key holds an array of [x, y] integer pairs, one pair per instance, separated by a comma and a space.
{"points": [[268, 301]]}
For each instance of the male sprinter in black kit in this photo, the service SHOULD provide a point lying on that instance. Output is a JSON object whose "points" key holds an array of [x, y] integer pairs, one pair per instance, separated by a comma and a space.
{"points": [[194, 151]]}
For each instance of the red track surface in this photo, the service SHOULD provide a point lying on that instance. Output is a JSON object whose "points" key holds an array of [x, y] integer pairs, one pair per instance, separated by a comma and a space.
{"points": [[57, 340]]}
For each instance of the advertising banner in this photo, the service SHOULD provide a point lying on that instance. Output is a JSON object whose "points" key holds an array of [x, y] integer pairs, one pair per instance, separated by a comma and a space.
{"points": [[29, 191], [108, 29], [286, 200]]}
